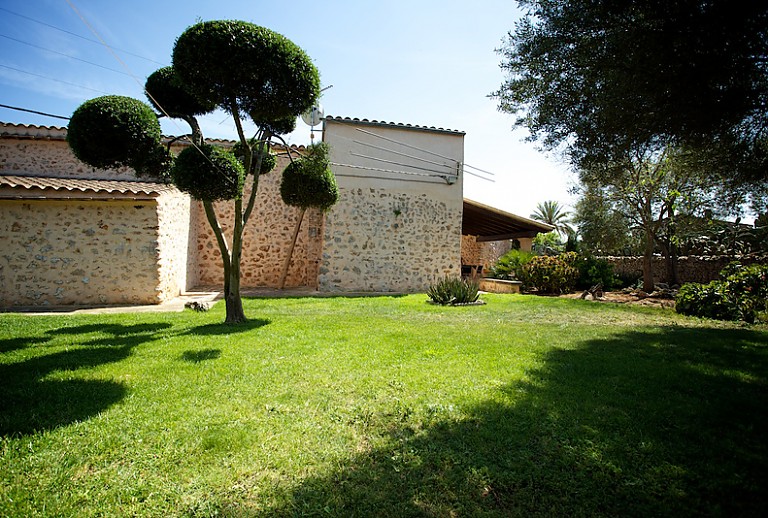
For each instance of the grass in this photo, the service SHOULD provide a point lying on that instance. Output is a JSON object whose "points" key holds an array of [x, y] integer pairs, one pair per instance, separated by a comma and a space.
{"points": [[384, 406]]}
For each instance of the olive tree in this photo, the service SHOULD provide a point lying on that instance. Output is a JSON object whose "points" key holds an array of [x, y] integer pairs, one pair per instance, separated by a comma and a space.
{"points": [[244, 69], [307, 182]]}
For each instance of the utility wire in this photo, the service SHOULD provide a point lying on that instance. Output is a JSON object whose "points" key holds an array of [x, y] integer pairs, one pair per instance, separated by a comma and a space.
{"points": [[77, 35], [423, 151], [51, 79], [61, 54], [111, 51], [33, 111]]}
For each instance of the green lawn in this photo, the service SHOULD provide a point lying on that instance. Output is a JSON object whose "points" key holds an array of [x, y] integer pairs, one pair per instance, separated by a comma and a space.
{"points": [[386, 406]]}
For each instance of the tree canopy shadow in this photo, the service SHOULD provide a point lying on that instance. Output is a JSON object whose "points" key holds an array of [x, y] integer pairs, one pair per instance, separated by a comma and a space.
{"points": [[669, 422], [228, 329], [32, 403], [200, 356]]}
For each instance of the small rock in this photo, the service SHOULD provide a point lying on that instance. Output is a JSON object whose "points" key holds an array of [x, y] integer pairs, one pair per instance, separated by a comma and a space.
{"points": [[198, 305]]}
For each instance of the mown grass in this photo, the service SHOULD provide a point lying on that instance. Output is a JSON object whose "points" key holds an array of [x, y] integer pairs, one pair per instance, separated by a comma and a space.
{"points": [[384, 406]]}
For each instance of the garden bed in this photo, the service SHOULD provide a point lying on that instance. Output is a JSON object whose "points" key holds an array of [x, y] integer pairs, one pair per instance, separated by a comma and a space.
{"points": [[499, 286]]}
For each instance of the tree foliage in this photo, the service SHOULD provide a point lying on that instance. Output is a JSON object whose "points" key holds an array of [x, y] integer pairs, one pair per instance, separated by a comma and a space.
{"points": [[552, 213], [209, 173], [602, 78], [309, 182], [168, 95], [244, 67], [115, 131]]}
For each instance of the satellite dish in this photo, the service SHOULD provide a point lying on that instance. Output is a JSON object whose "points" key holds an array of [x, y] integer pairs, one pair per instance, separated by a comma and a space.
{"points": [[314, 116]]}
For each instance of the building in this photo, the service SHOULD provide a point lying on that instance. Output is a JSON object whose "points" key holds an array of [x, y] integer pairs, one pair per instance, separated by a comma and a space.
{"points": [[74, 235]]}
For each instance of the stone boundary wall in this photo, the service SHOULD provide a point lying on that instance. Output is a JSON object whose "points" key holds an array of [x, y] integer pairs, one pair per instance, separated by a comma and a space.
{"points": [[701, 269], [67, 252]]}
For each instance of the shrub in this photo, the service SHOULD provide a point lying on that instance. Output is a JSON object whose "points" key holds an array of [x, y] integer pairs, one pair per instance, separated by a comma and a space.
{"points": [[741, 294], [551, 274], [309, 181], [509, 266], [115, 131], [209, 173], [711, 300], [593, 271], [453, 291]]}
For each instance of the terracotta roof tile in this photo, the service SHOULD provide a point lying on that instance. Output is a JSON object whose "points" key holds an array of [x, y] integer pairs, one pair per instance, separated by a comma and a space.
{"points": [[391, 124], [85, 186]]}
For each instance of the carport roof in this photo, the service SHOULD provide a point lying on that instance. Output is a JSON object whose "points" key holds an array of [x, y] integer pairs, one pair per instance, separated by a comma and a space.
{"points": [[491, 224], [31, 187]]}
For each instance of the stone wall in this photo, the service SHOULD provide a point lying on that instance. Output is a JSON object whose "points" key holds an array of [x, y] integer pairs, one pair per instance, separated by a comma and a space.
{"points": [[265, 241], [384, 241], [485, 253], [690, 268], [177, 245], [43, 151], [397, 224], [60, 252]]}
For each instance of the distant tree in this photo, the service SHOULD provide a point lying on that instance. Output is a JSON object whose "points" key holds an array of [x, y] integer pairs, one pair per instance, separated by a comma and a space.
{"points": [[604, 227], [246, 70], [656, 192], [601, 78], [552, 213], [307, 182]]}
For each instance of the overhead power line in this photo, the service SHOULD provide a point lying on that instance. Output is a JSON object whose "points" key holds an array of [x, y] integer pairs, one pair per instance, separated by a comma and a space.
{"points": [[77, 35], [62, 54], [34, 111], [52, 79]]}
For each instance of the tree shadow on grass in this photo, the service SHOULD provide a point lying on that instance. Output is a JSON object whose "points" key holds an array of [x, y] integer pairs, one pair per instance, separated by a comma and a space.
{"points": [[228, 329], [669, 422], [200, 356], [32, 403], [12, 344]]}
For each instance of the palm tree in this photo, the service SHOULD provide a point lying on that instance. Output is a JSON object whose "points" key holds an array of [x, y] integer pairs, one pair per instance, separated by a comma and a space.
{"points": [[551, 213]]}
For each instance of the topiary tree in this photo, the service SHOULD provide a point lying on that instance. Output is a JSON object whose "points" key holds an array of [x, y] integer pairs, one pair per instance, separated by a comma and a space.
{"points": [[244, 69], [307, 182], [116, 131]]}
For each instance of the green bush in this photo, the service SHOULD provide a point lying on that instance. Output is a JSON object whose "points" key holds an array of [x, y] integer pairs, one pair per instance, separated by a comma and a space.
{"points": [[309, 181], [231, 62], [711, 300], [741, 294], [209, 173], [509, 266], [115, 131], [593, 271], [551, 274], [453, 291]]}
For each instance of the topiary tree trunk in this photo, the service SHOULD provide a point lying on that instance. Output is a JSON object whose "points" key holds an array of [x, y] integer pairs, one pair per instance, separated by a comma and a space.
{"points": [[307, 182]]}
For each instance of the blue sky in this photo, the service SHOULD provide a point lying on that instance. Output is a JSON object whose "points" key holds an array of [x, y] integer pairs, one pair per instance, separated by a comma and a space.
{"points": [[425, 62]]}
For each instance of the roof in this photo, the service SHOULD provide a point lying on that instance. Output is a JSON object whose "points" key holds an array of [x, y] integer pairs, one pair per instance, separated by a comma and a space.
{"points": [[30, 187], [33, 132], [490, 224], [396, 125]]}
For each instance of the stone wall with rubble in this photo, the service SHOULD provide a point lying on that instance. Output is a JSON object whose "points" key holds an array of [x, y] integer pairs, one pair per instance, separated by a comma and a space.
{"points": [[62, 252], [485, 253], [266, 239], [397, 224], [177, 245], [690, 268], [43, 151]]}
